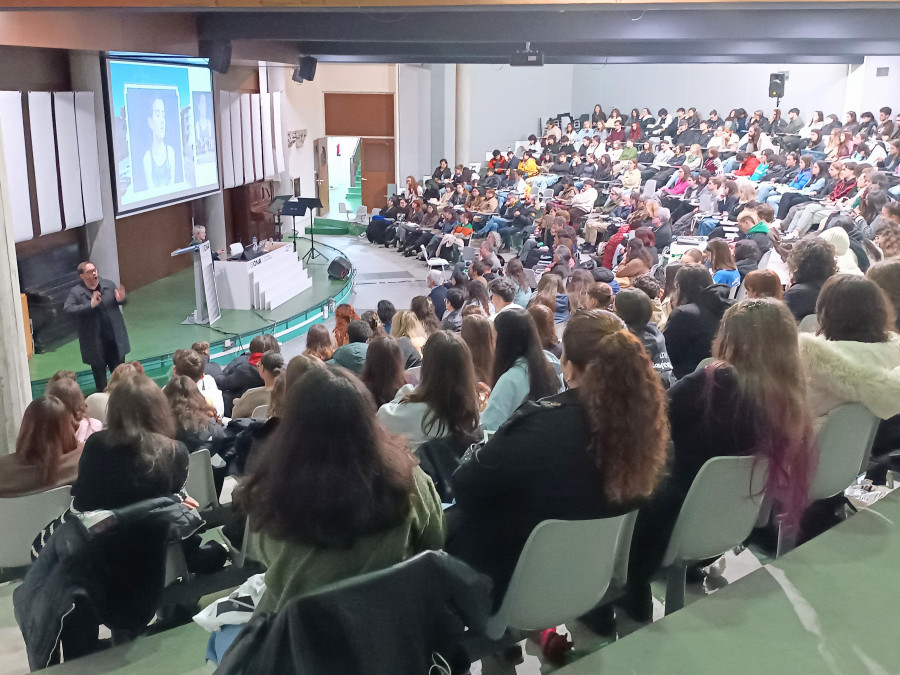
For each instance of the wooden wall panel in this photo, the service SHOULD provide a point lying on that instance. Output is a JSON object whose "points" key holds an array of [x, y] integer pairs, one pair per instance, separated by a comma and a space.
{"points": [[146, 240], [359, 114]]}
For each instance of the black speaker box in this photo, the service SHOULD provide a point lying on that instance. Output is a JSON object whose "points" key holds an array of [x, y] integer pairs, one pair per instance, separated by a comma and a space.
{"points": [[307, 69], [218, 52], [339, 268], [776, 85]]}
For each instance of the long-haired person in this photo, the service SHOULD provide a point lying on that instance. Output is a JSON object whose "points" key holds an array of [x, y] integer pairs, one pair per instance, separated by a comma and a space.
{"points": [[383, 373], [410, 336], [335, 495], [195, 420], [855, 357], [763, 284], [546, 328], [67, 390], [423, 307], [698, 306], [607, 460], [552, 294], [516, 271], [98, 401], [343, 315], [444, 403], [722, 264], [46, 453], [523, 371], [478, 334], [319, 342], [270, 366], [750, 401]]}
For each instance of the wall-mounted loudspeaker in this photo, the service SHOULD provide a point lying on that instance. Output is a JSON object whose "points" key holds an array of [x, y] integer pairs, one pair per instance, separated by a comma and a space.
{"points": [[776, 85], [218, 53], [306, 70]]}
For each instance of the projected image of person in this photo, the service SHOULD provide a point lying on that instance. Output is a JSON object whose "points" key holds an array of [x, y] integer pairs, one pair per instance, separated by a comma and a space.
{"points": [[159, 160], [204, 131]]}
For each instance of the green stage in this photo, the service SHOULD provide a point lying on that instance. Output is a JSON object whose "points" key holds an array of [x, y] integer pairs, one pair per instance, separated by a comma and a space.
{"points": [[154, 314]]}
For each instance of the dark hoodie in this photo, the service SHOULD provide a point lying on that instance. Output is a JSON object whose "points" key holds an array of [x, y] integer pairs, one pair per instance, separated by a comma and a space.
{"points": [[746, 266], [691, 328], [655, 346]]}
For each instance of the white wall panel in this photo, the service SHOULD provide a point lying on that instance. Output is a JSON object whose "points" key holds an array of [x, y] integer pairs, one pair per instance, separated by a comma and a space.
{"points": [[256, 125], [12, 126], [237, 145], [43, 152], [67, 154], [247, 138], [265, 118], [278, 131], [225, 133], [88, 156]]}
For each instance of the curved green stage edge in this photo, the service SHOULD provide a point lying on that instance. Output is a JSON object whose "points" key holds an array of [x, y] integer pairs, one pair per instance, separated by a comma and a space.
{"points": [[154, 314]]}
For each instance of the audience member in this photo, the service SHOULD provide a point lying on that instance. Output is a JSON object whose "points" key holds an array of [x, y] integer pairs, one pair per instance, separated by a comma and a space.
{"points": [[195, 421], [546, 328], [190, 363], [551, 293], [68, 391], [503, 295], [352, 355], [479, 335], [386, 311], [438, 294], [384, 371], [335, 496], [269, 367], [887, 275], [607, 462], [210, 368], [318, 342], [516, 272], [425, 312], [721, 263], [763, 284], [523, 371], [811, 263], [636, 310], [47, 453], [444, 403], [242, 374], [454, 303], [98, 401], [343, 315]]}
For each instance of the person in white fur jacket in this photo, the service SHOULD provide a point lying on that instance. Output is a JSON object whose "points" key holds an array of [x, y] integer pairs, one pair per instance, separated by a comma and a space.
{"points": [[855, 356]]}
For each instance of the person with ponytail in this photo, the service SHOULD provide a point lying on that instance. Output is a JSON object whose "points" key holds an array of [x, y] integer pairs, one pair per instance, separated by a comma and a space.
{"points": [[594, 451], [751, 400]]}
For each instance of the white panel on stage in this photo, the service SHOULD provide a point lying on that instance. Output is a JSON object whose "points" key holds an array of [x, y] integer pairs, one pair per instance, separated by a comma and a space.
{"points": [[43, 152], [237, 146], [225, 132], [12, 126], [265, 117], [257, 136], [247, 138], [88, 157], [67, 153], [277, 132]]}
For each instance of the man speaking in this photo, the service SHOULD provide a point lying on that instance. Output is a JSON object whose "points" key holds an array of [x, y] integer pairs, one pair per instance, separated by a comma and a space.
{"points": [[94, 302]]}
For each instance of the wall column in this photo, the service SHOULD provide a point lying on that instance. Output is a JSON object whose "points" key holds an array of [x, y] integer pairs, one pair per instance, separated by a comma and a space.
{"points": [[463, 115], [15, 381], [103, 248]]}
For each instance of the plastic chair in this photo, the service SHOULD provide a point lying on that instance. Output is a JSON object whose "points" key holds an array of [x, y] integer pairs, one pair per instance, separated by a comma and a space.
{"points": [[809, 324], [361, 216], [469, 254], [649, 188], [23, 518], [530, 277], [260, 412], [844, 446], [547, 194], [414, 373], [200, 484], [718, 514], [564, 570], [741, 293], [344, 209], [706, 203]]}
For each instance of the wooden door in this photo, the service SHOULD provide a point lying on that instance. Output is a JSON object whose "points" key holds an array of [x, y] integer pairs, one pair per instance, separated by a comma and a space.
{"points": [[321, 151], [377, 163]]}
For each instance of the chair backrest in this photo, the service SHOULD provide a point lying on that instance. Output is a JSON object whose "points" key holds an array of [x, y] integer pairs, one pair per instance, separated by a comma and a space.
{"points": [[469, 253], [706, 203], [741, 293], [343, 208], [649, 187], [547, 194], [763, 263], [200, 484], [809, 324], [844, 446], [260, 412], [563, 571], [530, 277], [23, 518], [720, 509]]}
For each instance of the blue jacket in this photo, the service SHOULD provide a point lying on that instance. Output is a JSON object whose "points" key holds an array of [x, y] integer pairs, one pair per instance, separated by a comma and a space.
{"points": [[801, 180]]}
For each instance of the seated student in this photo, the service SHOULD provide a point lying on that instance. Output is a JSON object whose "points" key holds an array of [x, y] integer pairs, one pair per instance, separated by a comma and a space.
{"points": [[335, 496], [190, 363], [546, 328], [844, 258], [749, 401], [241, 374], [698, 308], [319, 343], [270, 366], [600, 295], [811, 263], [855, 356], [516, 272], [67, 390], [552, 294], [754, 229], [384, 371], [598, 468], [721, 263], [444, 403], [195, 421], [636, 310], [763, 284], [47, 453], [653, 290], [523, 371], [410, 337], [98, 401], [352, 355], [453, 318], [746, 256], [638, 262]]}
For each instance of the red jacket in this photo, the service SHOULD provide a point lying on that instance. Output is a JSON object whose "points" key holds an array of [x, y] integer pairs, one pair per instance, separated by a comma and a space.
{"points": [[748, 167]]}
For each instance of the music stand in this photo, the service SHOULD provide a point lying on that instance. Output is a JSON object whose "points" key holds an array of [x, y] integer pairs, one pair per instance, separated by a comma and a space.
{"points": [[310, 203], [293, 209], [275, 207]]}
